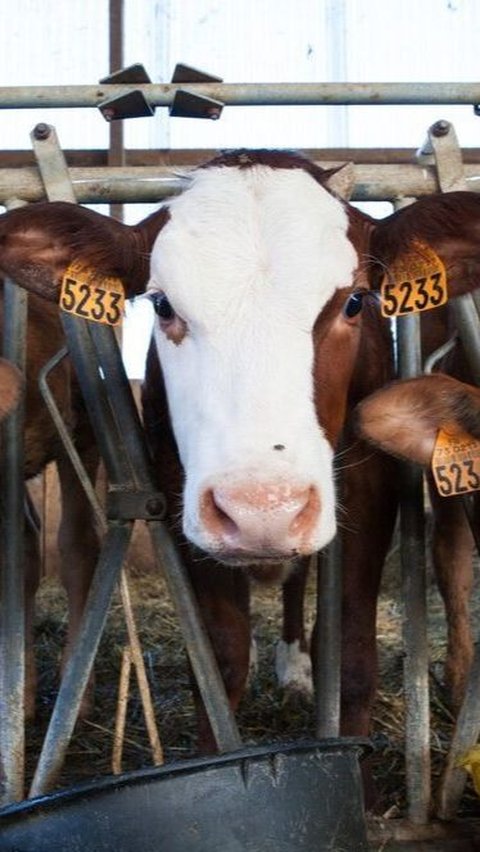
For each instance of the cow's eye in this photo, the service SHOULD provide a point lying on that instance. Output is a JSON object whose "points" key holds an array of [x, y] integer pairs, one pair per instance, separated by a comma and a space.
{"points": [[354, 304], [162, 306]]}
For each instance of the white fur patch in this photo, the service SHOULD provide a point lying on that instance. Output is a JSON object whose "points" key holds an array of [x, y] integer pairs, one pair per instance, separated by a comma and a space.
{"points": [[293, 668], [248, 259]]}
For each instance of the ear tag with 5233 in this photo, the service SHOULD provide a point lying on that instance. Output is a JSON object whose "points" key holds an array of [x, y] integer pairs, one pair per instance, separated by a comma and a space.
{"points": [[92, 296], [456, 463], [416, 281]]}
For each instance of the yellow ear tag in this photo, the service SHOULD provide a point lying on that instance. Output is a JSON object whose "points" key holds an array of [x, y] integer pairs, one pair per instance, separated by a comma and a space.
{"points": [[91, 296], [456, 463], [471, 763], [416, 281]]}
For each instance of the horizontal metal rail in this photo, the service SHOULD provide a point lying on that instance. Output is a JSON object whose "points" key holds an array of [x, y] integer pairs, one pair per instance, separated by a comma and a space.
{"points": [[246, 94], [181, 157], [143, 184]]}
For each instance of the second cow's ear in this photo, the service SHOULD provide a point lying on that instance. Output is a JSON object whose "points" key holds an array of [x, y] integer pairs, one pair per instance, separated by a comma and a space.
{"points": [[38, 243], [448, 224], [404, 418]]}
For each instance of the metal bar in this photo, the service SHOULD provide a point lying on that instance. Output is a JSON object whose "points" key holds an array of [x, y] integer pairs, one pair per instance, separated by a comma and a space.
{"points": [[12, 588], [412, 550], [141, 184], [122, 402], [96, 157], [202, 660], [79, 665], [329, 641], [145, 183], [246, 94], [109, 438], [116, 153]]}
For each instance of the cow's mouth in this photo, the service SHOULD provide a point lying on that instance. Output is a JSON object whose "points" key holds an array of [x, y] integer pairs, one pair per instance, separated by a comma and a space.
{"points": [[268, 568]]}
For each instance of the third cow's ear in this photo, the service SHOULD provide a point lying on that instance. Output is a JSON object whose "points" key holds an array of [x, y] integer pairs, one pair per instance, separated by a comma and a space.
{"points": [[404, 418], [448, 224], [39, 242]]}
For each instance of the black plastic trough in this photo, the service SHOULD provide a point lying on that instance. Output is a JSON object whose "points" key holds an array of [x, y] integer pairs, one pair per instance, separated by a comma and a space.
{"points": [[280, 798]]}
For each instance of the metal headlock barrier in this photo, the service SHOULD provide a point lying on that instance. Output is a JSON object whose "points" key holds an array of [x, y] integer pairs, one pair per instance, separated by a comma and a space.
{"points": [[439, 167]]}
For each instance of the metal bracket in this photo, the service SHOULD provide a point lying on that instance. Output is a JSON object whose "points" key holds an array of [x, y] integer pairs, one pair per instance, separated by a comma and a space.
{"points": [[187, 104], [131, 105], [131, 505]]}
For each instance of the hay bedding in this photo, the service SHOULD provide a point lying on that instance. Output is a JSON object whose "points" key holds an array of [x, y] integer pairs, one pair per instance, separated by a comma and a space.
{"points": [[265, 714]]}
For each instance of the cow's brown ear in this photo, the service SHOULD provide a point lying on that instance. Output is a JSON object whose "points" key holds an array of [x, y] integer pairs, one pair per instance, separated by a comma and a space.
{"points": [[404, 418], [449, 224], [38, 242]]}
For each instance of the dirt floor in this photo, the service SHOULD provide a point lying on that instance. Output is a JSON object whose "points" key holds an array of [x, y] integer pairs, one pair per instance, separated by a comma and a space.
{"points": [[265, 715]]}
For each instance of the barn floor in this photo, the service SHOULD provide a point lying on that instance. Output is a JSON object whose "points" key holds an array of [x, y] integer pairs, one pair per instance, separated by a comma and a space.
{"points": [[265, 715]]}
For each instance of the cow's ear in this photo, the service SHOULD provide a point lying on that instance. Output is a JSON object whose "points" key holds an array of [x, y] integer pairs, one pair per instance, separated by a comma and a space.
{"points": [[448, 224], [404, 418], [38, 242]]}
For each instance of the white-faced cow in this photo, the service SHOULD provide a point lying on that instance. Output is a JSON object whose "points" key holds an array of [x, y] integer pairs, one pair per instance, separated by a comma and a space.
{"points": [[404, 419], [267, 334]]}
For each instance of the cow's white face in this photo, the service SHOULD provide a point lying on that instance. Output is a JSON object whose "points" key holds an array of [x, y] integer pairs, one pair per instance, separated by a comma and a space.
{"points": [[247, 260]]}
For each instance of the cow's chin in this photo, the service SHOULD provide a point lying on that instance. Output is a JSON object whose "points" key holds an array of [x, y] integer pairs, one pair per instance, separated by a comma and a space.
{"points": [[263, 569]]}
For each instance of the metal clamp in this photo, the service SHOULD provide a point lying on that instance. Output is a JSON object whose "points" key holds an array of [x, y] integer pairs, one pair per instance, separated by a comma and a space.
{"points": [[133, 104], [187, 104]]}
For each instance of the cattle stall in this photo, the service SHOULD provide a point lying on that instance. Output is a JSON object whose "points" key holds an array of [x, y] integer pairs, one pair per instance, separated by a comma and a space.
{"points": [[438, 166]]}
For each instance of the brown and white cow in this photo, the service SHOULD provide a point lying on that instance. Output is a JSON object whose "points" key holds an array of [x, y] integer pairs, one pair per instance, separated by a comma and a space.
{"points": [[267, 334], [404, 419]]}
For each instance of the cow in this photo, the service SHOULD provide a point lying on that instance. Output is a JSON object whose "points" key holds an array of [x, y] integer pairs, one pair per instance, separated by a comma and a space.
{"points": [[404, 419], [267, 334], [78, 541]]}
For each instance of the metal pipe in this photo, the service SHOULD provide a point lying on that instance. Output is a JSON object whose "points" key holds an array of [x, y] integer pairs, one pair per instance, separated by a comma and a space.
{"points": [[12, 587], [202, 660], [141, 184], [246, 94], [412, 549], [108, 436], [79, 664], [329, 640]]}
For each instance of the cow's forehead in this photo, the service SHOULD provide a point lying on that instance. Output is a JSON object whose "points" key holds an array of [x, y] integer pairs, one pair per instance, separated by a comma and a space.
{"points": [[248, 234]]}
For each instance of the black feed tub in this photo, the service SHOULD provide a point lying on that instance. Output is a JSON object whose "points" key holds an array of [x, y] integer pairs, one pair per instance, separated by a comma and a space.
{"points": [[280, 798]]}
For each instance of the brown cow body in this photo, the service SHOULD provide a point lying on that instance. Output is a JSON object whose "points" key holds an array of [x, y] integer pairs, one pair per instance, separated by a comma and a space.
{"points": [[258, 252], [77, 539], [404, 419]]}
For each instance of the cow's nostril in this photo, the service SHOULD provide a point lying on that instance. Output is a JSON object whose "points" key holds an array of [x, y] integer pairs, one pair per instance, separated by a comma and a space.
{"points": [[216, 519], [305, 519]]}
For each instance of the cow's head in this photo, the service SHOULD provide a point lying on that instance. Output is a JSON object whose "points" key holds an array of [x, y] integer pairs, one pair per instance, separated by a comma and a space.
{"points": [[259, 276]]}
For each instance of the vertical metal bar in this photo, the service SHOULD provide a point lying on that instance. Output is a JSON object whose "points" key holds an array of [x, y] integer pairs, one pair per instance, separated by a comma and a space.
{"points": [[107, 434], [12, 622], [116, 152], [203, 662], [79, 665], [329, 642], [412, 549]]}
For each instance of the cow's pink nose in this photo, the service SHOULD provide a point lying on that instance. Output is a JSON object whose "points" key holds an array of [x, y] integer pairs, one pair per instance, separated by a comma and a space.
{"points": [[257, 517]]}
